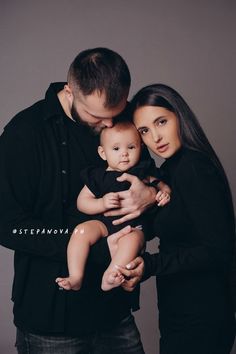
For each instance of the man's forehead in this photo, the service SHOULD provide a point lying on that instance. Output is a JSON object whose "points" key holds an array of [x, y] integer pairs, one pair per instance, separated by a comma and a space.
{"points": [[96, 107], [97, 97]]}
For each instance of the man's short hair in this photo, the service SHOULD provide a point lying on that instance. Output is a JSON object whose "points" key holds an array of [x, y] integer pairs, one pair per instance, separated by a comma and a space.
{"points": [[103, 70]]}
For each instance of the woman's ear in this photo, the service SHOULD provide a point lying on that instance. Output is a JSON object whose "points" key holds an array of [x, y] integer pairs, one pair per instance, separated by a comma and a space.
{"points": [[101, 153]]}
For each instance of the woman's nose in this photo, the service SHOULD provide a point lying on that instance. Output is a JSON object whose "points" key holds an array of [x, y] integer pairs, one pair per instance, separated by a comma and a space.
{"points": [[156, 136]]}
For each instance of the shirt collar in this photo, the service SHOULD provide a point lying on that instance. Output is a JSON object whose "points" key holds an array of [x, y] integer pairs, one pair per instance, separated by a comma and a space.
{"points": [[52, 104]]}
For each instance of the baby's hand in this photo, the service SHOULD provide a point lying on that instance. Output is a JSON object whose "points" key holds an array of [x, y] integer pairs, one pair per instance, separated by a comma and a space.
{"points": [[111, 201], [162, 198]]}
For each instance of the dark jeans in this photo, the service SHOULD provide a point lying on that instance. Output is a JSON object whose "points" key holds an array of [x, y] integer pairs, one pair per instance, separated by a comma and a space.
{"points": [[123, 339]]}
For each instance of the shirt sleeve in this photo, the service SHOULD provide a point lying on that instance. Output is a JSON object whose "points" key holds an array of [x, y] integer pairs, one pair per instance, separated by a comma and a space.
{"points": [[19, 175], [19, 178], [204, 197]]}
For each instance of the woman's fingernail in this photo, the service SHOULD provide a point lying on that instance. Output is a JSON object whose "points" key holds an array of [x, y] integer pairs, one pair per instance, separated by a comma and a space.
{"points": [[128, 266]]}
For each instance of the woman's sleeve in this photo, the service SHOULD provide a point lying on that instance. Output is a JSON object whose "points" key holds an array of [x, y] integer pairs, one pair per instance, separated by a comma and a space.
{"points": [[204, 196]]}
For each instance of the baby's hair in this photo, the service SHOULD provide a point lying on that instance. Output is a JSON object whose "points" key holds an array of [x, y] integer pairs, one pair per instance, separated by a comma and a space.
{"points": [[121, 122]]}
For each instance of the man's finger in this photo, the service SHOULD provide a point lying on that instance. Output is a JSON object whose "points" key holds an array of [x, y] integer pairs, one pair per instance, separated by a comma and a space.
{"points": [[117, 212], [126, 230], [123, 271], [127, 288], [129, 285], [127, 177], [123, 195], [132, 274], [135, 263], [125, 218], [114, 204]]}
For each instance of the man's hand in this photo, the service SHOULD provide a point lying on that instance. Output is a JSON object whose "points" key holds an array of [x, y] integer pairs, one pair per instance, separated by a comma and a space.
{"points": [[113, 239], [111, 201], [132, 272], [134, 201]]}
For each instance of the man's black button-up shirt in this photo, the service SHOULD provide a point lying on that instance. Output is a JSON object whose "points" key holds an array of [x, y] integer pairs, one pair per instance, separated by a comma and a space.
{"points": [[42, 153]]}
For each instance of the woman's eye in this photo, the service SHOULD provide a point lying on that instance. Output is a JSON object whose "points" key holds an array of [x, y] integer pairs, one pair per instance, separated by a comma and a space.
{"points": [[162, 121], [143, 131]]}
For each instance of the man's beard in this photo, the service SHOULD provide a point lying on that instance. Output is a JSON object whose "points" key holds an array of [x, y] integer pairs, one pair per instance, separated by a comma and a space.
{"points": [[75, 116]]}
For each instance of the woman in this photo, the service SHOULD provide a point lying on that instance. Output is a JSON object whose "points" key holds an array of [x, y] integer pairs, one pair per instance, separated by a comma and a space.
{"points": [[196, 229]]}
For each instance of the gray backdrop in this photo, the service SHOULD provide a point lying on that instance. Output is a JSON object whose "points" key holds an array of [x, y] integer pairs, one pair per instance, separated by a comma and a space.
{"points": [[187, 44]]}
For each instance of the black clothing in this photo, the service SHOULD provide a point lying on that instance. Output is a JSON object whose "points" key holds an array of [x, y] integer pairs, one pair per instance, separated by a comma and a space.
{"points": [[100, 182], [196, 244], [42, 153]]}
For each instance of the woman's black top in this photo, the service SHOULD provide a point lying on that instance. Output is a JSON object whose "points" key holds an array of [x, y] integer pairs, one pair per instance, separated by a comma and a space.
{"points": [[196, 231]]}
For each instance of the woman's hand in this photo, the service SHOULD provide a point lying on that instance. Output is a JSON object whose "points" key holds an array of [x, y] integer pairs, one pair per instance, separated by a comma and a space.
{"points": [[134, 201], [162, 198], [133, 273]]}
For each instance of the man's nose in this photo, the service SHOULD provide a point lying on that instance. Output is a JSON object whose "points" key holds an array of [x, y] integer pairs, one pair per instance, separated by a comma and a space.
{"points": [[108, 122]]}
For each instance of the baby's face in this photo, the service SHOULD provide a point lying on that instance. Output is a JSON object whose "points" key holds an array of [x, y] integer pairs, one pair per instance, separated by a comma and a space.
{"points": [[121, 148]]}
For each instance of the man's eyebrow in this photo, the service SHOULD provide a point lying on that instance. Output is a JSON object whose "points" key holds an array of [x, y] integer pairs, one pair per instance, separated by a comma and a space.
{"points": [[95, 116]]}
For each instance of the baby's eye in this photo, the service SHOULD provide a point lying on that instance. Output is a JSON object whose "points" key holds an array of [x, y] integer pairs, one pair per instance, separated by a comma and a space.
{"points": [[115, 148], [131, 147]]}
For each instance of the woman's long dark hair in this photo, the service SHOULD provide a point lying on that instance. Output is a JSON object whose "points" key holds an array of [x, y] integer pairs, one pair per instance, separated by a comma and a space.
{"points": [[192, 135]]}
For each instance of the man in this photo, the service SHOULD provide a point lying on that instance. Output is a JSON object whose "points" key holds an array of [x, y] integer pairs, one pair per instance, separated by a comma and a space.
{"points": [[42, 152]]}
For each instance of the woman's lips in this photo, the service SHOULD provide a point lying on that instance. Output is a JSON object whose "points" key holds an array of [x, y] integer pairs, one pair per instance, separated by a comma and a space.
{"points": [[162, 148]]}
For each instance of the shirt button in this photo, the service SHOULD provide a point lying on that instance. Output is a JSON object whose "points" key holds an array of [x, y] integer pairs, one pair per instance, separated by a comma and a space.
{"points": [[63, 143], [63, 172]]}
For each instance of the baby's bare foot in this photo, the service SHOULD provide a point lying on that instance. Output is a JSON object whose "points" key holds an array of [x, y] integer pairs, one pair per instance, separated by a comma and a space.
{"points": [[111, 279], [69, 283]]}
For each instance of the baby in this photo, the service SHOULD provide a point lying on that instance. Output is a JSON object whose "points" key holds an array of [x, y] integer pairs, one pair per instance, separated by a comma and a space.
{"points": [[121, 147]]}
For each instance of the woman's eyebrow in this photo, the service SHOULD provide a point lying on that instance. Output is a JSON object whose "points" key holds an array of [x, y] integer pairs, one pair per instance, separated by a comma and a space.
{"points": [[155, 121]]}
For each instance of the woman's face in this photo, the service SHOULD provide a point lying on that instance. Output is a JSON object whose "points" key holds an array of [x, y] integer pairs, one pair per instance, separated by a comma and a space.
{"points": [[159, 129]]}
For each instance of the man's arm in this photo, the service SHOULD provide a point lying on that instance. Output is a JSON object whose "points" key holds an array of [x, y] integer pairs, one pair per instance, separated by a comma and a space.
{"points": [[19, 179]]}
